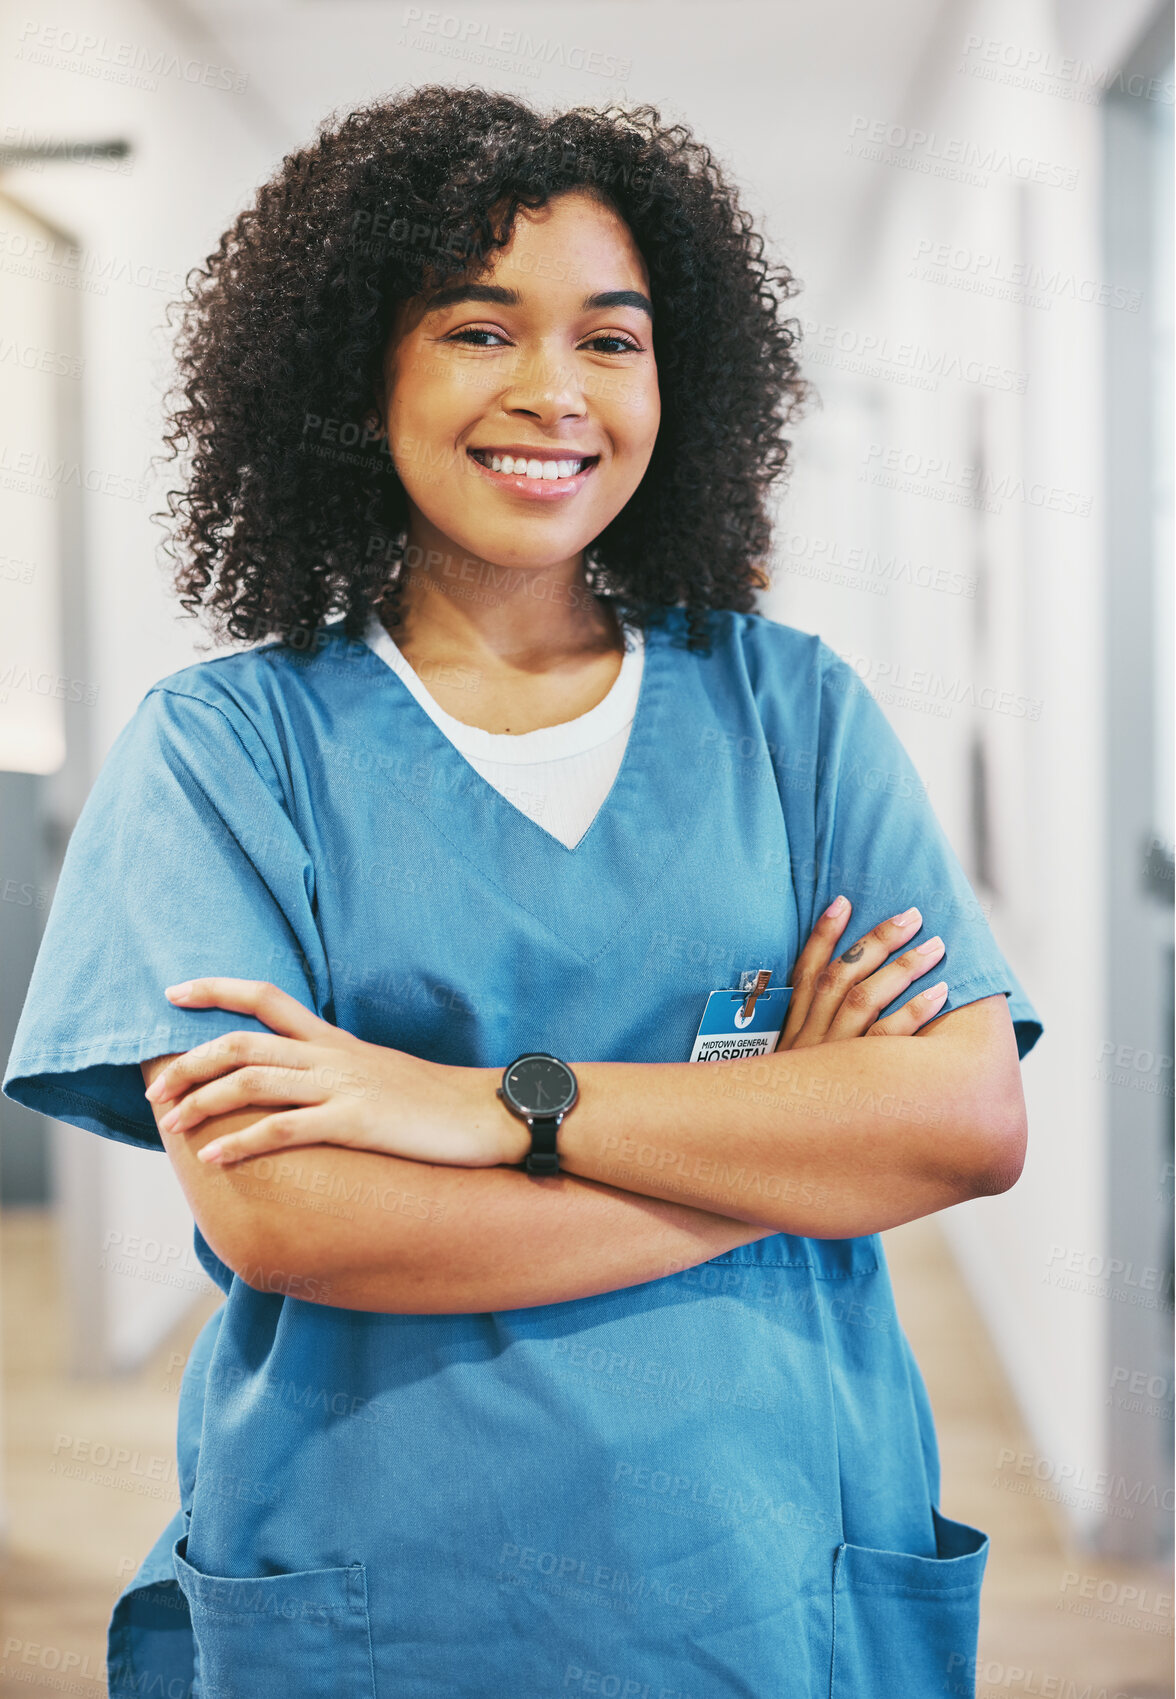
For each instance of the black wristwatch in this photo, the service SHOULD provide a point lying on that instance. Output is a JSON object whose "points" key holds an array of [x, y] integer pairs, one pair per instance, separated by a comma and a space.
{"points": [[539, 1089]]}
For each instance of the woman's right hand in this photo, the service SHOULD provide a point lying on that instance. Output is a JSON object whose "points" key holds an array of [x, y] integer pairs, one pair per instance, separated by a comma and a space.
{"points": [[842, 997]]}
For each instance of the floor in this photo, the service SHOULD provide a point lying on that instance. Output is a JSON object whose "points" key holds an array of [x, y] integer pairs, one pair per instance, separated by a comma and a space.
{"points": [[76, 1533]]}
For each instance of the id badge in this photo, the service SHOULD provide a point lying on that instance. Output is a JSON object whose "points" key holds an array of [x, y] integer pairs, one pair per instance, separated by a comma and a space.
{"points": [[741, 1023]]}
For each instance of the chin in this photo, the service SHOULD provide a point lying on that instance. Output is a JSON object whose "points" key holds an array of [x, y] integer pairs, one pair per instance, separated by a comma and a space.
{"points": [[524, 553]]}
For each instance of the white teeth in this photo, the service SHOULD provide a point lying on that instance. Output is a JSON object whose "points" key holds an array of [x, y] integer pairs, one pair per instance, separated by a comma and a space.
{"points": [[538, 469]]}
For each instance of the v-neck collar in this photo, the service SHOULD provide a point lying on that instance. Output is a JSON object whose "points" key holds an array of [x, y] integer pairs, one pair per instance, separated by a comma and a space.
{"points": [[638, 829], [476, 780]]}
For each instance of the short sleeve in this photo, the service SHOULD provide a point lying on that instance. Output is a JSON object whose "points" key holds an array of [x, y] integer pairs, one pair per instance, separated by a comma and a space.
{"points": [[878, 841], [184, 862]]}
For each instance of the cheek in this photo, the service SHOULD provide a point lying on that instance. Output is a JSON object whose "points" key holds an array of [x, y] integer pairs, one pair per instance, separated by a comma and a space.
{"points": [[635, 426], [430, 405], [422, 447], [636, 413]]}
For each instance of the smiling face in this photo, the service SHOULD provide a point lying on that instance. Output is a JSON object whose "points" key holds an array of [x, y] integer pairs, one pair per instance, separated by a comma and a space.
{"points": [[522, 404]]}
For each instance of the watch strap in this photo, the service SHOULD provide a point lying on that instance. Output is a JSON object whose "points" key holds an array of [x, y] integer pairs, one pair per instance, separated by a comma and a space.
{"points": [[543, 1157]]}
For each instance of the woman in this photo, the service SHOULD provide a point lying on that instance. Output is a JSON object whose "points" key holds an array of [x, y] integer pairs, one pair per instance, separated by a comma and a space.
{"points": [[581, 1375]]}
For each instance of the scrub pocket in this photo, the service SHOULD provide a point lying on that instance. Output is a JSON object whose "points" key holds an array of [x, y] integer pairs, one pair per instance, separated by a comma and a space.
{"points": [[908, 1625], [303, 1635]]}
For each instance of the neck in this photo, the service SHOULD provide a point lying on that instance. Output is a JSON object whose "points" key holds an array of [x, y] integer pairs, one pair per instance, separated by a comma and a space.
{"points": [[456, 604]]}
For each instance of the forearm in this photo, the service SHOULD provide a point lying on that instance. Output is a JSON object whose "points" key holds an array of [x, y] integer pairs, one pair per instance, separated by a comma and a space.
{"points": [[839, 1139], [833, 1139], [360, 1230]]}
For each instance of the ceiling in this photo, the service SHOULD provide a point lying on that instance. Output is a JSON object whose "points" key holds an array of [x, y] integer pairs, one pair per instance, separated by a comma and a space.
{"points": [[772, 86]]}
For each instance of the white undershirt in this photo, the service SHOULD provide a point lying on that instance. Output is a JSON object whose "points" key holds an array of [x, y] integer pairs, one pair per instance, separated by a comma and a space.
{"points": [[557, 775]]}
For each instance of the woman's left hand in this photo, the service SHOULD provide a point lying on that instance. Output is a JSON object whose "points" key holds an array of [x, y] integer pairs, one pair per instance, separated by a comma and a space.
{"points": [[328, 1087]]}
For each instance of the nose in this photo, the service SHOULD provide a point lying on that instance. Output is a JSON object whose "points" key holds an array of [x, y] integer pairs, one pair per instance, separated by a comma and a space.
{"points": [[544, 386]]}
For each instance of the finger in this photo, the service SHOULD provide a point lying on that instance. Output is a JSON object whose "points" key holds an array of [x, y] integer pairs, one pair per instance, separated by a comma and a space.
{"points": [[245, 1088], [218, 1056], [865, 1001], [813, 959], [837, 981], [279, 1011], [291, 1127], [907, 1020]]}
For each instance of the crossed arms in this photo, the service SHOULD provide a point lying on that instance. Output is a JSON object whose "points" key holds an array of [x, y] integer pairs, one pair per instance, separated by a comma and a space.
{"points": [[666, 1164]]}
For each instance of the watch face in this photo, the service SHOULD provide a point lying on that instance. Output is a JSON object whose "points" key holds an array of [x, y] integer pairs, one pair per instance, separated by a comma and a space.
{"points": [[540, 1085]]}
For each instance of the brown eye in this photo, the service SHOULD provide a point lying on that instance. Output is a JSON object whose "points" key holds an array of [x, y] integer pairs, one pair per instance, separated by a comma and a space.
{"points": [[621, 346], [472, 331]]}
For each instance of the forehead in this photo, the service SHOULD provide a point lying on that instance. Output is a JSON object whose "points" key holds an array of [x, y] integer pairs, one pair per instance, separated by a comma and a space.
{"points": [[576, 226], [565, 253]]}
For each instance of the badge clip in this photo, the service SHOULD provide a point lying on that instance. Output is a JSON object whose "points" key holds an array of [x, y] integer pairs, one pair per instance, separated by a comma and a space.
{"points": [[743, 1021], [758, 984]]}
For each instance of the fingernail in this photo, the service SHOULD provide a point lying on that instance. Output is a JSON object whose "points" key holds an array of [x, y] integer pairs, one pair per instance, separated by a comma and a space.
{"points": [[177, 991], [836, 906], [169, 1120], [901, 919], [930, 946], [210, 1152], [153, 1091], [936, 991]]}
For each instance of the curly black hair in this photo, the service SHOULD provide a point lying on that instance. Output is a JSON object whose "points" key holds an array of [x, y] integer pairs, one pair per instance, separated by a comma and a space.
{"points": [[285, 327]]}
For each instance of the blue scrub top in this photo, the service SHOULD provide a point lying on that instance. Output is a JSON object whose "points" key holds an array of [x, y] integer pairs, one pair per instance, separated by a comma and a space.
{"points": [[724, 1482]]}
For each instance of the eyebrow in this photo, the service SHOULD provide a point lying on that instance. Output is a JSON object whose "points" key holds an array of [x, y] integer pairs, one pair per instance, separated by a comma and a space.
{"points": [[502, 297]]}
